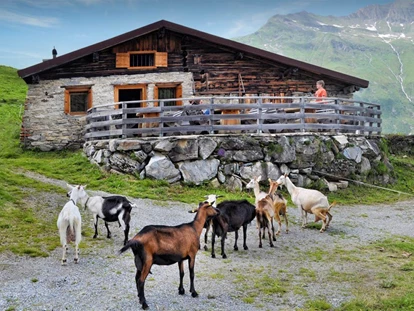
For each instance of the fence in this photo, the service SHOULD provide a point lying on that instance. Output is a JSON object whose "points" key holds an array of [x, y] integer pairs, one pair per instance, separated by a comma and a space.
{"points": [[232, 115]]}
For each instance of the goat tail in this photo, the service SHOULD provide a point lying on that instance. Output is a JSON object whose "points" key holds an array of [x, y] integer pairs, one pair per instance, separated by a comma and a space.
{"points": [[131, 243], [332, 205]]}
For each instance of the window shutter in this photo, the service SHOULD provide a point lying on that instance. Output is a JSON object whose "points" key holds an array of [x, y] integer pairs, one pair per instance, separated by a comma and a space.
{"points": [[156, 104], [179, 94], [122, 60], [161, 59], [66, 108], [90, 104]]}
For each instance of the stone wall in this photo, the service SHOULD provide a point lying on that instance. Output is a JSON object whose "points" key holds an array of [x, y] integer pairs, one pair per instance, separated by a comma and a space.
{"points": [[229, 159], [49, 128]]}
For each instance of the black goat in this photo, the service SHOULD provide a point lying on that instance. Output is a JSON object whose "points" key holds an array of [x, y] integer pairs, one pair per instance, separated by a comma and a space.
{"points": [[233, 215]]}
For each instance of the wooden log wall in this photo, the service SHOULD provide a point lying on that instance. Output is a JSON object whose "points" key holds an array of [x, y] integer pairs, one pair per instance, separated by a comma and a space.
{"points": [[216, 69]]}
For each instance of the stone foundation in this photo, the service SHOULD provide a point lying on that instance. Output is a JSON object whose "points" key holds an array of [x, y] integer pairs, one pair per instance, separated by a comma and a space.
{"points": [[232, 159]]}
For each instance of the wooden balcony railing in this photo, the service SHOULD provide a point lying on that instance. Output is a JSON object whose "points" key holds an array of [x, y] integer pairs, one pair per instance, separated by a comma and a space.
{"points": [[233, 115]]}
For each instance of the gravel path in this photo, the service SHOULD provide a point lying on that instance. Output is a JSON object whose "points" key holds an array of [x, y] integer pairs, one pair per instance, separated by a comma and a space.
{"points": [[105, 281]]}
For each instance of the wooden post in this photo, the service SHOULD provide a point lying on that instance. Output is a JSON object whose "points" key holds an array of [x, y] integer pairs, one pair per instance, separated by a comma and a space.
{"points": [[302, 111], [211, 115], [362, 113], [124, 117], [337, 112], [161, 105], [378, 116], [259, 118]]}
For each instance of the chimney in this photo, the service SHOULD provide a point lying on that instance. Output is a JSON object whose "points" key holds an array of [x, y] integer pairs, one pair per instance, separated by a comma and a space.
{"points": [[54, 52]]}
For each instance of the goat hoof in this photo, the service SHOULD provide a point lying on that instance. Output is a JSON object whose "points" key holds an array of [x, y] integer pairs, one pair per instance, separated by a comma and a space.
{"points": [[236, 248], [194, 294], [181, 291], [274, 239], [108, 236], [144, 306], [64, 262], [76, 260], [205, 248], [260, 246], [213, 255], [224, 256], [245, 248], [95, 236], [287, 231], [271, 245]]}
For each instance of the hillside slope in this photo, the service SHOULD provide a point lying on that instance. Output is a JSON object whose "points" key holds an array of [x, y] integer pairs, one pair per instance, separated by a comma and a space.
{"points": [[376, 43]]}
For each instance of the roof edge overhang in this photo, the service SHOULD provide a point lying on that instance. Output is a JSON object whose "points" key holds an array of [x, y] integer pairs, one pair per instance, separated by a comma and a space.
{"points": [[66, 58]]}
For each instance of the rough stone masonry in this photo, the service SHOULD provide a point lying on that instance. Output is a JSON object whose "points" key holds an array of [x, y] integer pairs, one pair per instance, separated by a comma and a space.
{"points": [[232, 159]]}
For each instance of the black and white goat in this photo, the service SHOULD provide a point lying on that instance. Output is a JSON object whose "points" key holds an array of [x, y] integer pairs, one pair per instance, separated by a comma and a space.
{"points": [[110, 209], [69, 222]]}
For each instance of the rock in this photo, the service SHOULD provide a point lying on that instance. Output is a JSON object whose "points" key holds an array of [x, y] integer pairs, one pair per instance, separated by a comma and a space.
{"points": [[234, 184], [126, 145], [246, 155], [198, 171], [341, 140], [272, 171], [107, 153], [101, 144], [215, 183], [183, 150], [372, 145], [112, 145], [164, 146], [206, 146], [295, 171], [141, 156], [365, 165], [306, 171], [342, 184], [146, 147], [306, 150], [232, 168], [221, 177], [89, 150], [264, 169], [159, 167], [124, 163], [284, 169], [332, 187], [98, 156], [142, 175], [240, 143], [353, 153], [282, 152], [301, 181]]}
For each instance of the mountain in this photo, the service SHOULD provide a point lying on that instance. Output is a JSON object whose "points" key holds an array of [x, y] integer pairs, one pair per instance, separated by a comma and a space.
{"points": [[375, 43]]}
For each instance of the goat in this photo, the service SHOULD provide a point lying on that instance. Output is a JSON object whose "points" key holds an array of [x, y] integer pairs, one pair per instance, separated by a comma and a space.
{"points": [[69, 222], [110, 209], [166, 245], [308, 201], [279, 205], [212, 200], [233, 215], [264, 218], [254, 184]]}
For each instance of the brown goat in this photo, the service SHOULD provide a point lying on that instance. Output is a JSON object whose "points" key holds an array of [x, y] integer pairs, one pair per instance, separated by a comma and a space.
{"points": [[279, 205], [166, 245], [264, 219]]}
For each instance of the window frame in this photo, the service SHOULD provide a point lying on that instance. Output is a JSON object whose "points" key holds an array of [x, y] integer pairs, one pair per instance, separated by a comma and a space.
{"points": [[123, 60], [143, 88], [178, 91], [77, 89]]}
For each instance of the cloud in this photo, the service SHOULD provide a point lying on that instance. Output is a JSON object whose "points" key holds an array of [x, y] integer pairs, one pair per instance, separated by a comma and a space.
{"points": [[38, 21], [6, 53]]}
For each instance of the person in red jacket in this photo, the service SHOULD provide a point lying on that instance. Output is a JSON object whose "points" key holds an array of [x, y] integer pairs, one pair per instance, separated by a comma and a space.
{"points": [[321, 92]]}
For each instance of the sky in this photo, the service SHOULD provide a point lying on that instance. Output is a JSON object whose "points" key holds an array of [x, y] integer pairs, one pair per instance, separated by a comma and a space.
{"points": [[29, 29]]}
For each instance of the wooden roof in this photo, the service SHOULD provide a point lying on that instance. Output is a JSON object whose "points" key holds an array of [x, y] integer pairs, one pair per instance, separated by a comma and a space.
{"points": [[66, 58]]}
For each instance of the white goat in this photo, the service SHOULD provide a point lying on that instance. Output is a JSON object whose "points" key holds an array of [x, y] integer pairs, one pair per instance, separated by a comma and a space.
{"points": [[69, 222], [308, 201]]}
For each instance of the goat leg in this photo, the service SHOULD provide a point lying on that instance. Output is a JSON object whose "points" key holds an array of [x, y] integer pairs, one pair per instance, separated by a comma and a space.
{"points": [[96, 227], [191, 263], [213, 239], [260, 238], [181, 290], [109, 232], [64, 260], [270, 237], [273, 229], [244, 237], [126, 232], [140, 280], [236, 233], [223, 240]]}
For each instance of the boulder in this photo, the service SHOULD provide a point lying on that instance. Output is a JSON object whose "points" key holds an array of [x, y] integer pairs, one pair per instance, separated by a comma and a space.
{"points": [[341, 141], [159, 167], [89, 150], [126, 145], [98, 156], [306, 171], [141, 156], [113, 143], [306, 150], [197, 172], [282, 152], [183, 150], [284, 169], [124, 163], [234, 184], [264, 169], [246, 155], [342, 184], [146, 147], [332, 186], [353, 153], [221, 177], [365, 165], [239, 143], [206, 146], [215, 183], [164, 146]]}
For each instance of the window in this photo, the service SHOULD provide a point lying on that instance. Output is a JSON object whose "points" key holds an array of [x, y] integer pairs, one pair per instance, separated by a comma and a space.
{"points": [[77, 100], [141, 60], [168, 91]]}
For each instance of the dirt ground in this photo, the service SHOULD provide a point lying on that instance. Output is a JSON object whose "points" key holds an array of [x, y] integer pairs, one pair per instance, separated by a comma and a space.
{"points": [[304, 265]]}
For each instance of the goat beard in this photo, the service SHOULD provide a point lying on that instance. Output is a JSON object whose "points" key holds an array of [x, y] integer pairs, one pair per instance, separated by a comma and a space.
{"points": [[70, 235]]}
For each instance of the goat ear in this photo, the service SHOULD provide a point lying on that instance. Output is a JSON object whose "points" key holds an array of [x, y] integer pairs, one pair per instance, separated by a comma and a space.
{"points": [[69, 186], [269, 180], [286, 174], [259, 178], [84, 187], [219, 196]]}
